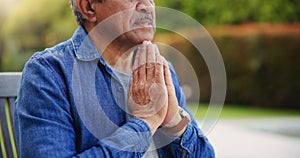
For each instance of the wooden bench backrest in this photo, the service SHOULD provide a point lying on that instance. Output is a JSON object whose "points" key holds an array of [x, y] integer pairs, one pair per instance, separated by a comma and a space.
{"points": [[9, 84]]}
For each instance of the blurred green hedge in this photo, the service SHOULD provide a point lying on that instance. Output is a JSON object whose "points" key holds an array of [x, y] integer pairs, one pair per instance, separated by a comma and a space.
{"points": [[261, 64], [261, 60], [217, 12]]}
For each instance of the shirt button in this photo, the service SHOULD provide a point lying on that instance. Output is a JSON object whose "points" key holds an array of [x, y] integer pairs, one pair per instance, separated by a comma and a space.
{"points": [[120, 89]]}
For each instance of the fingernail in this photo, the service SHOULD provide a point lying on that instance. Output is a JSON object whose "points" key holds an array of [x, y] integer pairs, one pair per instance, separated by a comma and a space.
{"points": [[147, 42]]}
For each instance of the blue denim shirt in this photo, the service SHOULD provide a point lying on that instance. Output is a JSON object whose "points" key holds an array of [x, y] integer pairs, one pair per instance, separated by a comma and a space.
{"points": [[67, 107]]}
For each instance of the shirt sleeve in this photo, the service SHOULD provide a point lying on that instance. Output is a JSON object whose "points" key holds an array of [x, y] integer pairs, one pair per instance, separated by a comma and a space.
{"points": [[192, 143], [44, 126]]}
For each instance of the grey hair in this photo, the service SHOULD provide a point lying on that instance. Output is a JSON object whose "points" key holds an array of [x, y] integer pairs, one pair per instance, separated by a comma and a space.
{"points": [[79, 18]]}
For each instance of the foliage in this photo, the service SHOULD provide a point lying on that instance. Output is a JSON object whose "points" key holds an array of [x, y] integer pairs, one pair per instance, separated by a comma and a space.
{"points": [[34, 25], [237, 11], [261, 63], [261, 69], [31, 28]]}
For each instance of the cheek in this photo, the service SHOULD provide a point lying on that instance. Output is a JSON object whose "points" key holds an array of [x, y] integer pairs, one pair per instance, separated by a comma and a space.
{"points": [[127, 24], [128, 20]]}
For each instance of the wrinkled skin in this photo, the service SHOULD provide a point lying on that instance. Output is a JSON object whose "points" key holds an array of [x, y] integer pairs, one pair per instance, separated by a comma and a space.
{"points": [[152, 92]]}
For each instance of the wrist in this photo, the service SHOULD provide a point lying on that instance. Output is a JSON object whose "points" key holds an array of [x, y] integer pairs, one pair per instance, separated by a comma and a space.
{"points": [[174, 121], [152, 125], [180, 127]]}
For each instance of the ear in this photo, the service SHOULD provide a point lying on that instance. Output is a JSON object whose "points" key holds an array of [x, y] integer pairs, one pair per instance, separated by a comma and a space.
{"points": [[87, 11]]}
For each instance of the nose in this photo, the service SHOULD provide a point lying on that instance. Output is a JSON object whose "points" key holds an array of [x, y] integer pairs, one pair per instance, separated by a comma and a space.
{"points": [[145, 6]]}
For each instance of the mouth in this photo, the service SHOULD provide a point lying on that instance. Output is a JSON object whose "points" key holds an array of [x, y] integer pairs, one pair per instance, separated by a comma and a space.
{"points": [[145, 23]]}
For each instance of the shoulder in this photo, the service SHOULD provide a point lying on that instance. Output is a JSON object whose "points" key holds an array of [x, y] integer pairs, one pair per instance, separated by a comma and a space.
{"points": [[58, 52], [50, 64], [56, 57]]}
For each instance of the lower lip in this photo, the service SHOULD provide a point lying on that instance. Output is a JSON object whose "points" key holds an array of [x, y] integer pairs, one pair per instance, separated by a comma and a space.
{"points": [[144, 25]]}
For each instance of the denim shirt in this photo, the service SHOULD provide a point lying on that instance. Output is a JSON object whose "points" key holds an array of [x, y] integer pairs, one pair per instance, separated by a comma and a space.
{"points": [[67, 106]]}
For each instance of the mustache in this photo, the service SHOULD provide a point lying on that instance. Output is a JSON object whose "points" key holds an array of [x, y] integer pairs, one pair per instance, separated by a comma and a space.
{"points": [[144, 17]]}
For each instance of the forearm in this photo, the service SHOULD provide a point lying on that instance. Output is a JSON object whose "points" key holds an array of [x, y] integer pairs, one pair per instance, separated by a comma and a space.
{"points": [[130, 140], [192, 143]]}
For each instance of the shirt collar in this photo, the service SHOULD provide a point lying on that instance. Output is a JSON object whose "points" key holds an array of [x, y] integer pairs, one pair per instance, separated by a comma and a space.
{"points": [[84, 47]]}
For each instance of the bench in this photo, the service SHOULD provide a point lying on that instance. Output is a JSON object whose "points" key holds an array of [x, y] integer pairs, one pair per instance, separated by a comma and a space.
{"points": [[9, 84]]}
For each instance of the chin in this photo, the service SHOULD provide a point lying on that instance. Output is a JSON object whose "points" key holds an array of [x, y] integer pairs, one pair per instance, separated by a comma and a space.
{"points": [[142, 39], [145, 36], [138, 36]]}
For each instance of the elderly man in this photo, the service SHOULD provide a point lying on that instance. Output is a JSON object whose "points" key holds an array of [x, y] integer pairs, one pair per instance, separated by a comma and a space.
{"points": [[106, 92]]}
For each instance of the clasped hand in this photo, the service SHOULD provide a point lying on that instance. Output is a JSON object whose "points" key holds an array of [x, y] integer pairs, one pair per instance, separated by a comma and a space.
{"points": [[151, 93]]}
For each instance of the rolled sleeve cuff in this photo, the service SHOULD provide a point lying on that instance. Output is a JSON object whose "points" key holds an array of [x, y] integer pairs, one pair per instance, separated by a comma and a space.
{"points": [[188, 140], [194, 142], [140, 124], [134, 136], [140, 133]]}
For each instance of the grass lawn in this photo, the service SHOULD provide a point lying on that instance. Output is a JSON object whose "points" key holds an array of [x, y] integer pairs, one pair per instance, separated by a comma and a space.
{"points": [[235, 111]]}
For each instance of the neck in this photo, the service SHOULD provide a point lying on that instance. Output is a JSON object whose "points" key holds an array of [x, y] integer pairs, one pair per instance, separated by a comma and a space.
{"points": [[118, 53], [119, 57]]}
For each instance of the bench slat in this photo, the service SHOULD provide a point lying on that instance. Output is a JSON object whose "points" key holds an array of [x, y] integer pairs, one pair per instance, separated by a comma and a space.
{"points": [[9, 84]]}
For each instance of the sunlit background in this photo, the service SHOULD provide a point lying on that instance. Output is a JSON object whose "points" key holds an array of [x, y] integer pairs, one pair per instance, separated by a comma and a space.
{"points": [[258, 39]]}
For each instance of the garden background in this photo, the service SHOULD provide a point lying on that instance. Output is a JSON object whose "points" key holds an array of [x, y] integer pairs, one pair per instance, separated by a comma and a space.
{"points": [[259, 42]]}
